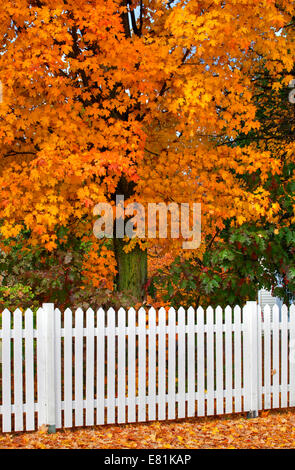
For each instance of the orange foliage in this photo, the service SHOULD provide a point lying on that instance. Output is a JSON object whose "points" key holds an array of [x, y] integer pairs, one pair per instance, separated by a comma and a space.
{"points": [[88, 103]]}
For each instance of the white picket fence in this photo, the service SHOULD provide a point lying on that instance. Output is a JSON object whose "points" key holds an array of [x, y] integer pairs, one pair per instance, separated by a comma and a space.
{"points": [[102, 367]]}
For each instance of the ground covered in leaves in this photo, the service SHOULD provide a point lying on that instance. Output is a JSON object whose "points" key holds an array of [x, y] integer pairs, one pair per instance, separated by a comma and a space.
{"points": [[270, 430]]}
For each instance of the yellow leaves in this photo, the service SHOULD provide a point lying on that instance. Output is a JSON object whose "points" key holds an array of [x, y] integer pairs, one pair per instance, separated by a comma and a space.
{"points": [[84, 114]]}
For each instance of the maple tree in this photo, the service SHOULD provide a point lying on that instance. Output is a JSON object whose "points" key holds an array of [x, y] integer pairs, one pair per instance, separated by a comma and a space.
{"points": [[107, 97]]}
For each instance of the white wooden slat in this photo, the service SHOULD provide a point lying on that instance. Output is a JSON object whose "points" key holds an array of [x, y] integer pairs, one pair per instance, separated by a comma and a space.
{"points": [[18, 371], [284, 357], [267, 356], [29, 370], [181, 362], [292, 356], [58, 364], [247, 370], [121, 365], [219, 361], [41, 368], [142, 365], [89, 367], [210, 360], [260, 354], [191, 371], [200, 362], [162, 365], [79, 419], [131, 366], [111, 366], [68, 368], [6, 371], [152, 365], [100, 367], [276, 358], [171, 363], [228, 361], [237, 360]]}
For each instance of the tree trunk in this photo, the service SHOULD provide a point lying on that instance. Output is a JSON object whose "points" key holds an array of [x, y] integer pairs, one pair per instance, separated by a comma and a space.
{"points": [[132, 270]]}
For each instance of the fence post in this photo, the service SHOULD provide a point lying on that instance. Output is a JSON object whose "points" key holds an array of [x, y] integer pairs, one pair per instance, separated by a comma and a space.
{"points": [[253, 362], [50, 363]]}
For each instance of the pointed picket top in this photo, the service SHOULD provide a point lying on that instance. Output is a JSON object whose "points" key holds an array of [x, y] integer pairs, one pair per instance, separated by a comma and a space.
{"points": [[237, 314], [284, 310], [209, 310], [29, 316], [171, 311], [152, 311], [68, 311], [237, 309], [292, 310], [39, 311], [89, 312], [121, 311], [17, 311], [228, 309], [131, 310], [6, 315], [275, 311], [191, 311], [28, 311], [162, 310], [218, 310], [111, 311], [79, 311], [141, 311], [100, 311], [200, 311], [181, 310]]}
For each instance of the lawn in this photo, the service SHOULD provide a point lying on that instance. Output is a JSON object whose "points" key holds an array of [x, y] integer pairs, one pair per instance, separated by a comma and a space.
{"points": [[274, 429]]}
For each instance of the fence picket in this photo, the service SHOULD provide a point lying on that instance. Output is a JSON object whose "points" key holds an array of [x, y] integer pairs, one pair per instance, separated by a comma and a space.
{"points": [[292, 356], [181, 362], [29, 370], [121, 365], [162, 365], [142, 365], [210, 360], [58, 367], [228, 360], [200, 362], [41, 369], [6, 371], [191, 377], [68, 368], [152, 365], [131, 366], [284, 357], [18, 371], [267, 357], [171, 363], [89, 367], [111, 366], [219, 361], [276, 359], [237, 360], [79, 408], [100, 366]]}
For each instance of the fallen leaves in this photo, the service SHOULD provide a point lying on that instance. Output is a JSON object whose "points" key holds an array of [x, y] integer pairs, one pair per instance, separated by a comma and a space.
{"points": [[274, 429]]}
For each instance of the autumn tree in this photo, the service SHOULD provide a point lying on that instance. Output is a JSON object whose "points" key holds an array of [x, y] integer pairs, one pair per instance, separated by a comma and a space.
{"points": [[109, 97]]}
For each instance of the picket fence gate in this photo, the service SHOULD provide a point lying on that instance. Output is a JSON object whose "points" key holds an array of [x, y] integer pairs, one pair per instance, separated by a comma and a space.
{"points": [[102, 367]]}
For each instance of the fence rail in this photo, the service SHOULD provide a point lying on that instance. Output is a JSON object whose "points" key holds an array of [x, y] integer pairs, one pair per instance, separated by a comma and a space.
{"points": [[84, 368]]}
